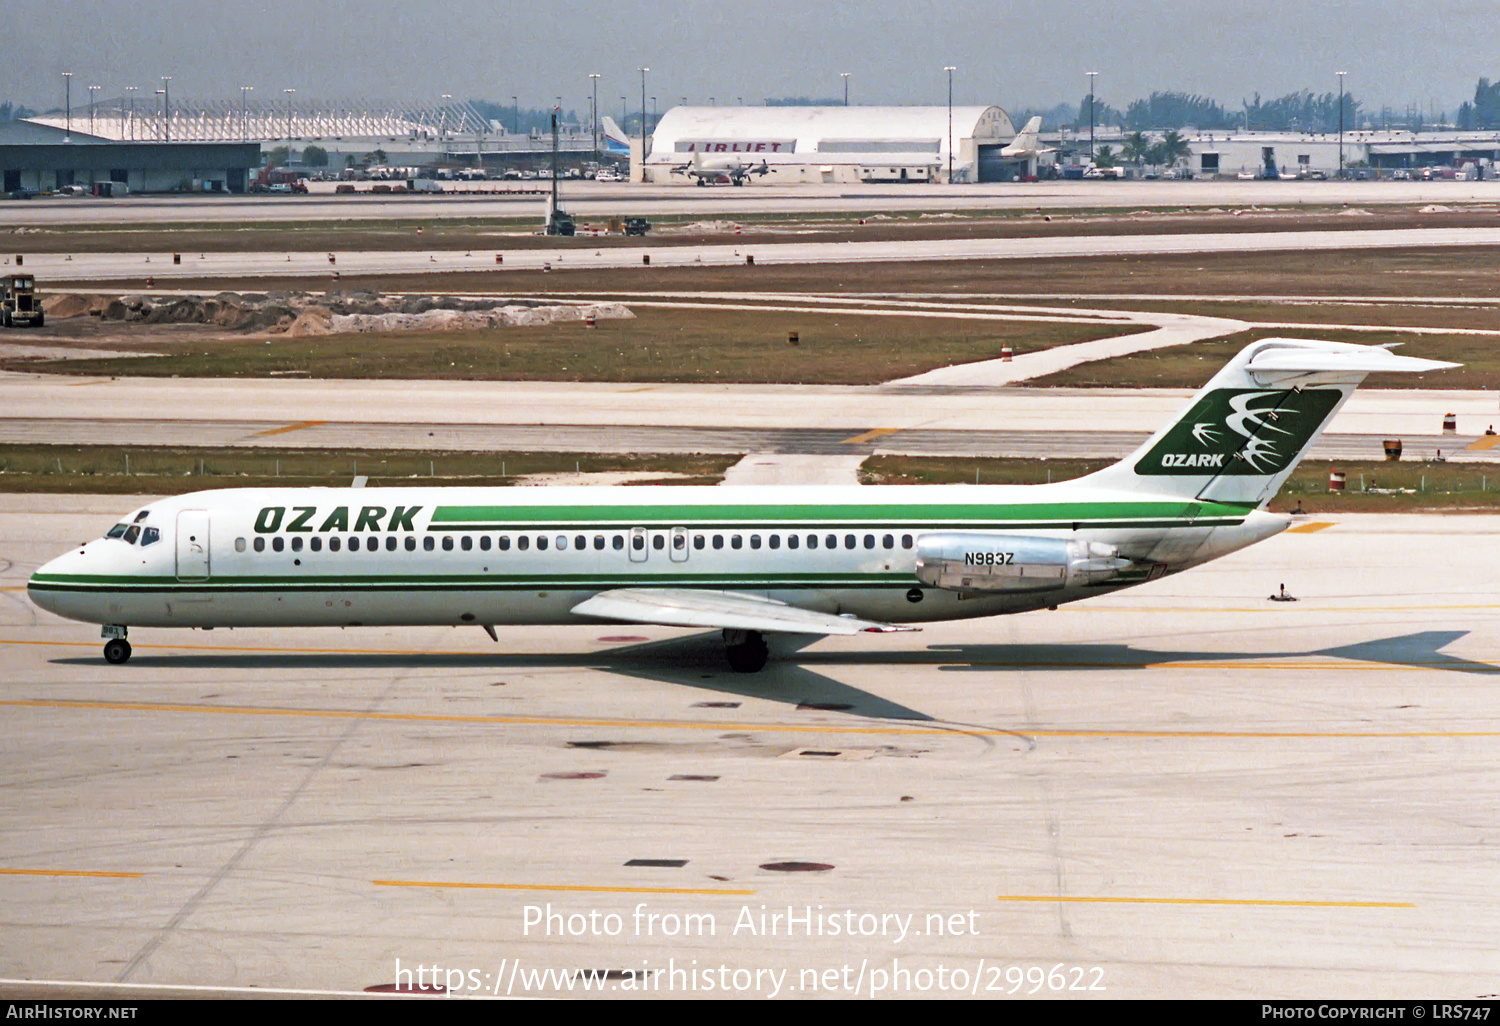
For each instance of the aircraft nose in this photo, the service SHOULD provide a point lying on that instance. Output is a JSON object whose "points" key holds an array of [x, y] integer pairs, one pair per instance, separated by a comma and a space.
{"points": [[45, 586]]}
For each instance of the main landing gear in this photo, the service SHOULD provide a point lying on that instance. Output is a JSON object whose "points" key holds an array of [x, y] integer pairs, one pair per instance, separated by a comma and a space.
{"points": [[116, 649], [746, 650]]}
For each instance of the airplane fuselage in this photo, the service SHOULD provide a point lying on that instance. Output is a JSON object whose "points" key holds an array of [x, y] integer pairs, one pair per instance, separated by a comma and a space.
{"points": [[497, 556]]}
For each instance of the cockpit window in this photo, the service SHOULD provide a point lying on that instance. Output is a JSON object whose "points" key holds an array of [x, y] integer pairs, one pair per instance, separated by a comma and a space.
{"points": [[131, 534], [142, 515], [150, 536], [116, 531]]}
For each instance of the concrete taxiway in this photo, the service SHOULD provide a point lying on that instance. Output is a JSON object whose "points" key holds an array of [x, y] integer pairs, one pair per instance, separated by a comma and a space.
{"points": [[1183, 790], [589, 199], [577, 255]]}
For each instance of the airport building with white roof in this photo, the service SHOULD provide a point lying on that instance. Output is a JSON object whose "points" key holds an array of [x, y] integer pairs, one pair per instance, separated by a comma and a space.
{"points": [[834, 144]]}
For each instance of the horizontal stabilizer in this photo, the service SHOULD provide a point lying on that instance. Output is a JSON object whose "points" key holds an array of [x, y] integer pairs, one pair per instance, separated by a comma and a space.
{"points": [[1353, 360], [732, 610]]}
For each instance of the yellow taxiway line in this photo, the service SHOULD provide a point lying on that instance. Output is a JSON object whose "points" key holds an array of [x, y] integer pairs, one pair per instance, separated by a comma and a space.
{"points": [[71, 873], [869, 436], [300, 425], [856, 727], [570, 888]]}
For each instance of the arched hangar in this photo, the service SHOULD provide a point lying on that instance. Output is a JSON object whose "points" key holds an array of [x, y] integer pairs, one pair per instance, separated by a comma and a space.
{"points": [[784, 145]]}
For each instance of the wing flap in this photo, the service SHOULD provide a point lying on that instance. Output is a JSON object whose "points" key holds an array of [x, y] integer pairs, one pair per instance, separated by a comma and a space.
{"points": [[686, 607]]}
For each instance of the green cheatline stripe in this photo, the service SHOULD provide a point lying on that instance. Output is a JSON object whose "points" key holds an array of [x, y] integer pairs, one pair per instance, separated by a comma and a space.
{"points": [[942, 513], [813, 527], [60, 583]]}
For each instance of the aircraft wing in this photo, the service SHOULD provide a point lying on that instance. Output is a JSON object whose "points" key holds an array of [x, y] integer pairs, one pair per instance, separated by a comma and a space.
{"points": [[733, 610]]}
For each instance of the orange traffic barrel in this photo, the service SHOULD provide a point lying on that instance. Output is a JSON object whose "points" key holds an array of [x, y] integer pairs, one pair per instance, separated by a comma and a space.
{"points": [[1335, 480], [1006, 353], [1393, 448], [1450, 423]]}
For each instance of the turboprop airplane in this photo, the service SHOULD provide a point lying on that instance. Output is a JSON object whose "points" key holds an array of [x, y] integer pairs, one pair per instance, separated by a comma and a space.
{"points": [[747, 561], [719, 168]]}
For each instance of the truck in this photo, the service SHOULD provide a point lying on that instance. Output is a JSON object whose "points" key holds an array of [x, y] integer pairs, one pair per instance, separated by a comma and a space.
{"points": [[19, 306]]}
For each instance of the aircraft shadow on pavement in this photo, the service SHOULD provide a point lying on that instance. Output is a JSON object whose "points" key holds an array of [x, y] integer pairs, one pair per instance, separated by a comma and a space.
{"points": [[695, 661], [1420, 651]]}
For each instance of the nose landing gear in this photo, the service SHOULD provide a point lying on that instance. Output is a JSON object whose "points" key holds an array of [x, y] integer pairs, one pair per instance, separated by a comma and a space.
{"points": [[116, 649]]}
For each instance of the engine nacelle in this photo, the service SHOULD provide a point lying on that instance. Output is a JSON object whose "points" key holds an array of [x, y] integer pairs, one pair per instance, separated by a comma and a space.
{"points": [[1012, 563]]}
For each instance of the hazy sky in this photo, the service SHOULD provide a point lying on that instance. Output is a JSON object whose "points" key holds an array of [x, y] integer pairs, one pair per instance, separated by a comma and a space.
{"points": [[1024, 53]]}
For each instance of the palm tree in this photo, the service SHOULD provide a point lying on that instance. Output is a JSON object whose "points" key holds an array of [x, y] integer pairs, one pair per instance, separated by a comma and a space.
{"points": [[1135, 148], [1175, 148]]}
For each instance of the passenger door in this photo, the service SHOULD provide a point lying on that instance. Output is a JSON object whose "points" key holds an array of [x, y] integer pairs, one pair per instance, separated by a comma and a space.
{"points": [[192, 545]]}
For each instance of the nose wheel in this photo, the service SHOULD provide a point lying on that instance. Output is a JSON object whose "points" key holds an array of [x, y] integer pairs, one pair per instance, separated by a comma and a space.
{"points": [[116, 651]]}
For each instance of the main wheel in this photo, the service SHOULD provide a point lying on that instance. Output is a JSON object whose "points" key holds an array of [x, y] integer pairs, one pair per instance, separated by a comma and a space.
{"points": [[748, 656], [116, 651]]}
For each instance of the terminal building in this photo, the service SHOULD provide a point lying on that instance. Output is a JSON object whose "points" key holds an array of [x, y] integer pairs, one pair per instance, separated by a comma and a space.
{"points": [[833, 144]]}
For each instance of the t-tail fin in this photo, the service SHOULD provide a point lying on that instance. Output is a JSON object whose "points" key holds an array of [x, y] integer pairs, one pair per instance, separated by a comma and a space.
{"points": [[1245, 432]]}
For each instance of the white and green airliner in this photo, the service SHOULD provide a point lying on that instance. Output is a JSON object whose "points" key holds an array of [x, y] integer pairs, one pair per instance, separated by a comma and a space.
{"points": [[747, 561]]}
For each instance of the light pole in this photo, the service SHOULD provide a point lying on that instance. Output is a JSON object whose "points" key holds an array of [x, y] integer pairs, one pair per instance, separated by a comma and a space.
{"points": [[245, 113], [132, 90], [845, 76], [643, 123], [93, 91], [950, 69], [594, 81], [166, 106], [289, 93], [516, 104], [1341, 75], [68, 106], [1091, 75], [443, 120]]}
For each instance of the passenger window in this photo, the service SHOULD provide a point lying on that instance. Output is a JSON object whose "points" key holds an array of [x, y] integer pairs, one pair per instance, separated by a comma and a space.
{"points": [[260, 545], [278, 543], [812, 541], [678, 543], [505, 543], [466, 543], [698, 541], [888, 541], [447, 543], [429, 543], [523, 543], [658, 543], [562, 543], [390, 543], [775, 541], [411, 544], [353, 544], [906, 541], [297, 543], [638, 543], [372, 543], [718, 541], [619, 542], [736, 542], [791, 541], [755, 541], [541, 543], [334, 544], [850, 541], [315, 543], [484, 542], [869, 541], [599, 543], [131, 534], [580, 542], [239, 545], [831, 542]]}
